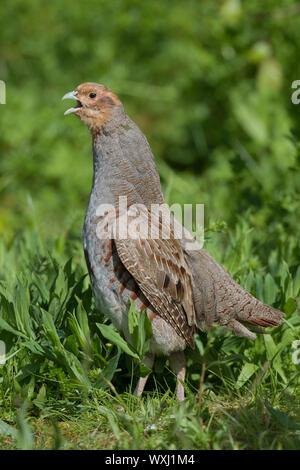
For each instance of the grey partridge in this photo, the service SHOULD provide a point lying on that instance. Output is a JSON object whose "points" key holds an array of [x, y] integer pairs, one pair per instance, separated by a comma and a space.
{"points": [[180, 285]]}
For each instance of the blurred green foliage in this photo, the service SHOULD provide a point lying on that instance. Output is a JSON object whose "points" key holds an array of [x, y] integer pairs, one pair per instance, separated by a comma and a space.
{"points": [[209, 83]]}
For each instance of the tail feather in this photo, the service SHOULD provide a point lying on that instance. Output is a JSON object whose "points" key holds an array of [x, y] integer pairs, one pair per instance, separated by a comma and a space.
{"points": [[261, 316], [265, 323], [219, 299], [264, 315]]}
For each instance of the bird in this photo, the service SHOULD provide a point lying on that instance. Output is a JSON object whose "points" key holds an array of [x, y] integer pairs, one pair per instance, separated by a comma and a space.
{"points": [[180, 285]]}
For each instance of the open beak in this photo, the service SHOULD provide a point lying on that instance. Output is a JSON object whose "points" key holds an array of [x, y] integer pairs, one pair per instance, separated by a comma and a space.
{"points": [[72, 96]]}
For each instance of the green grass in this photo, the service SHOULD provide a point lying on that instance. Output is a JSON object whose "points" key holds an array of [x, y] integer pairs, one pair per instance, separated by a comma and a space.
{"points": [[157, 421], [68, 386]]}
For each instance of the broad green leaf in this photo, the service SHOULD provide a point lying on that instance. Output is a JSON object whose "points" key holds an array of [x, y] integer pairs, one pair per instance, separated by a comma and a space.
{"points": [[270, 289], [133, 326], [80, 327], [7, 430], [290, 306], [273, 354], [199, 345], [247, 371], [296, 287], [21, 307], [114, 337], [284, 273], [109, 370], [41, 397], [5, 326], [40, 284], [259, 287], [144, 370], [50, 329], [140, 329], [145, 332], [270, 346], [250, 282], [34, 347]]}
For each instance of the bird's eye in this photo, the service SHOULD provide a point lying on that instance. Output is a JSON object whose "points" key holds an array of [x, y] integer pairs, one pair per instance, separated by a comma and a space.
{"points": [[92, 95]]}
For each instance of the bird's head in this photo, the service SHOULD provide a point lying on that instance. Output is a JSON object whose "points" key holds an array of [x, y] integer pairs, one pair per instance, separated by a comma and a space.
{"points": [[96, 104]]}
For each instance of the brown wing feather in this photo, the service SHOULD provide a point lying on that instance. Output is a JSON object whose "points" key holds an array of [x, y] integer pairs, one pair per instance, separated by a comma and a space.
{"points": [[160, 269]]}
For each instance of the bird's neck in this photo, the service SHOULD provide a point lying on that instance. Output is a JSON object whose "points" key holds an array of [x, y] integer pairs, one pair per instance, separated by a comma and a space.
{"points": [[124, 166]]}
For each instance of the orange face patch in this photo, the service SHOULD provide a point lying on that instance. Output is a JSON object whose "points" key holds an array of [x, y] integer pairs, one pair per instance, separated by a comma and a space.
{"points": [[94, 105]]}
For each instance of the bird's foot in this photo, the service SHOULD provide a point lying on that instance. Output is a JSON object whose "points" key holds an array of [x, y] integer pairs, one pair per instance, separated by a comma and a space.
{"points": [[148, 362], [178, 366]]}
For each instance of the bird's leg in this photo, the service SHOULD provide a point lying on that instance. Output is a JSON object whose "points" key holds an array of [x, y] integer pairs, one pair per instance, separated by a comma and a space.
{"points": [[148, 362], [178, 366]]}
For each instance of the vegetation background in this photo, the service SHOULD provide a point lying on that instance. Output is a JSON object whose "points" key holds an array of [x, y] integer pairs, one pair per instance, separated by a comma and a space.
{"points": [[209, 83]]}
